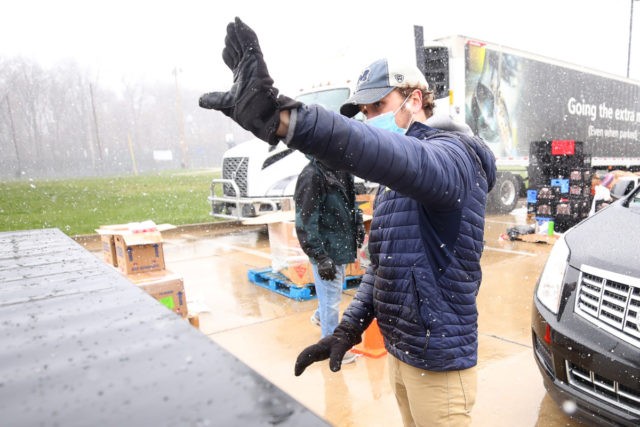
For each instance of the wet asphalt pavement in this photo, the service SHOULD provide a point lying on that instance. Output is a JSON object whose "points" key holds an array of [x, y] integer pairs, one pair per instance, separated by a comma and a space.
{"points": [[267, 330]]}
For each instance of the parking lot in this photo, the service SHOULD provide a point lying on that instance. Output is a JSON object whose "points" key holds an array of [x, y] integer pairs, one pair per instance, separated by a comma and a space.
{"points": [[267, 330]]}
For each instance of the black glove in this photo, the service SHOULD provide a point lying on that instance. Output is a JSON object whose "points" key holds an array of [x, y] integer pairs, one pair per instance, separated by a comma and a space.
{"points": [[359, 228], [252, 101], [332, 347], [326, 268]]}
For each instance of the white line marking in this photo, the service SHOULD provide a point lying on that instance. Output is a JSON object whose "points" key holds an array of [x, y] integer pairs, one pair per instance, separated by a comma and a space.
{"points": [[509, 251]]}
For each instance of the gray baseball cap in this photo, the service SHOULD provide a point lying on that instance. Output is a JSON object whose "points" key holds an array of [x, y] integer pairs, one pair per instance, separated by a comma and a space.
{"points": [[378, 80]]}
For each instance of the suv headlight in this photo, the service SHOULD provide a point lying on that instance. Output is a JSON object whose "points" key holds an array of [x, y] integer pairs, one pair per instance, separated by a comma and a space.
{"points": [[551, 280]]}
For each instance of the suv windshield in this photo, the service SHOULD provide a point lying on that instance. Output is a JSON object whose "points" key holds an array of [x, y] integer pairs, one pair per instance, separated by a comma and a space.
{"points": [[623, 187], [634, 200]]}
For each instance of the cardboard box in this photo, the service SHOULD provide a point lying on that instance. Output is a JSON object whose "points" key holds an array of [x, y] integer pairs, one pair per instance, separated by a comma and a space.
{"points": [[140, 252], [137, 247], [109, 249], [365, 202], [354, 269], [164, 286], [300, 273], [287, 257]]}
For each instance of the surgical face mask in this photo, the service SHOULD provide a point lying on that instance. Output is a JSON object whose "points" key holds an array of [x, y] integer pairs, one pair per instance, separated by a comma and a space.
{"points": [[387, 121]]}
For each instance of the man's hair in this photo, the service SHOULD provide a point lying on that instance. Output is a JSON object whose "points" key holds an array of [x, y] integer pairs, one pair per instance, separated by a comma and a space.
{"points": [[428, 100]]}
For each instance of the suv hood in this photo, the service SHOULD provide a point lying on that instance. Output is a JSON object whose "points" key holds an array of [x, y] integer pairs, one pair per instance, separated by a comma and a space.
{"points": [[615, 231]]}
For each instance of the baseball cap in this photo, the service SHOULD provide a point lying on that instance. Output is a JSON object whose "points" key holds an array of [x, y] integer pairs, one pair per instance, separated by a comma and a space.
{"points": [[378, 80]]}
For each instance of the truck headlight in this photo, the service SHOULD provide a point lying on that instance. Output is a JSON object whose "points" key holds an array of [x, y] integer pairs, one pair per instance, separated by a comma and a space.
{"points": [[551, 280]]}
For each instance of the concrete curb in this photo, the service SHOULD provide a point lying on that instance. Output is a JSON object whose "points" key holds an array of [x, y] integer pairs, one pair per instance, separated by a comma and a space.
{"points": [[92, 241]]}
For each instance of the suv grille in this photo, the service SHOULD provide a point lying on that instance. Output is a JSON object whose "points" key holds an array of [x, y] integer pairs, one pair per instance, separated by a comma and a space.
{"points": [[235, 168], [610, 301], [610, 391]]}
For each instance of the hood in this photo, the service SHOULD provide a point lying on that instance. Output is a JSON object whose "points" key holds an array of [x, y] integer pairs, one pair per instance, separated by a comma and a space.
{"points": [[487, 158], [607, 240], [445, 122], [481, 149], [254, 147]]}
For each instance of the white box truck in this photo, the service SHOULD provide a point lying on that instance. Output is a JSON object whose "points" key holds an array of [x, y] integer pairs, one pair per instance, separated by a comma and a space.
{"points": [[511, 98]]}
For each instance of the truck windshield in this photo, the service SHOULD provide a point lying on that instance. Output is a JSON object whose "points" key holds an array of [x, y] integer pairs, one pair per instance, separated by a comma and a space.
{"points": [[330, 99]]}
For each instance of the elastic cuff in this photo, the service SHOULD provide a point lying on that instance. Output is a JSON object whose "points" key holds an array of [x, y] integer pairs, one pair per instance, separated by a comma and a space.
{"points": [[292, 126]]}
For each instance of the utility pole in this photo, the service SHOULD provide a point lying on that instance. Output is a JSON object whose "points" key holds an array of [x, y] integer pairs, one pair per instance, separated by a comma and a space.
{"points": [[184, 162], [13, 136], [630, 34], [95, 121]]}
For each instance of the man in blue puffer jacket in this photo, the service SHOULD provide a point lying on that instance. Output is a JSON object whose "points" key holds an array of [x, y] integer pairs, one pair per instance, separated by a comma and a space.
{"points": [[427, 231]]}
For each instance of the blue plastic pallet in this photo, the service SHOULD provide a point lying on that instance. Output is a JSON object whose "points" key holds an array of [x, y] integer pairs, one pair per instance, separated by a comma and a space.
{"points": [[351, 282], [277, 282]]}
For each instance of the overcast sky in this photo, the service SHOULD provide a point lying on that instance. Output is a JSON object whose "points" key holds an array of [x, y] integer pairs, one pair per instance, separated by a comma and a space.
{"points": [[304, 42]]}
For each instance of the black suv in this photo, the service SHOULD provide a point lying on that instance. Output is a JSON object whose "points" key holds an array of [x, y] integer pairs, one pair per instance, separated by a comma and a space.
{"points": [[586, 317]]}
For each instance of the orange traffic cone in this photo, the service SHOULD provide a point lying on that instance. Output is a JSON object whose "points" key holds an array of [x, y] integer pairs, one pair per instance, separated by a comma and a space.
{"points": [[372, 344]]}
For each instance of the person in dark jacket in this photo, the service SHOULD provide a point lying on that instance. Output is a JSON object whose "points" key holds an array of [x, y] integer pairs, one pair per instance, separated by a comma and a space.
{"points": [[330, 229], [426, 236]]}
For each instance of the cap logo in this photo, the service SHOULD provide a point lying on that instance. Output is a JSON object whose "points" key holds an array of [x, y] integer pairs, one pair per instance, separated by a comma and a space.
{"points": [[364, 76], [399, 77]]}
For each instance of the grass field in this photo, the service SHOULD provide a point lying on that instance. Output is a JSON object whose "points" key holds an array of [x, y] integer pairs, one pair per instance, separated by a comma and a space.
{"points": [[80, 206]]}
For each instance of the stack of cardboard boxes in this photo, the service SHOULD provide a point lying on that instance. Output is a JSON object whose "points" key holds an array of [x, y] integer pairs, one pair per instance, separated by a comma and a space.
{"points": [[288, 258], [136, 250]]}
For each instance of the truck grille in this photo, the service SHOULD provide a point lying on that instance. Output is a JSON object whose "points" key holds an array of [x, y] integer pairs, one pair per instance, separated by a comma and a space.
{"points": [[610, 391], [235, 168], [610, 301]]}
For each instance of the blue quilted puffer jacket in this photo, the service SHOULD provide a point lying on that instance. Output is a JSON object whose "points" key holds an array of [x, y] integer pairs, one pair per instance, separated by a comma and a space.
{"points": [[426, 235]]}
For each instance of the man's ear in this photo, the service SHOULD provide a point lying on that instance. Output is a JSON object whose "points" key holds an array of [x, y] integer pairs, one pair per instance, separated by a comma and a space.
{"points": [[416, 101]]}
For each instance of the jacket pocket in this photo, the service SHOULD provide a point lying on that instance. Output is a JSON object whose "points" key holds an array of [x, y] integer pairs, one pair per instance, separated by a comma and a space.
{"points": [[418, 304]]}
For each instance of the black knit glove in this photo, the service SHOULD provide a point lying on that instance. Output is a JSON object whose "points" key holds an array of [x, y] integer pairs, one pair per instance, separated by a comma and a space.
{"points": [[326, 267], [252, 101], [332, 347], [360, 232]]}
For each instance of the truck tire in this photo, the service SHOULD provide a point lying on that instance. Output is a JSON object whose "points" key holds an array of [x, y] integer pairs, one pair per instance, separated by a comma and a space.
{"points": [[504, 195]]}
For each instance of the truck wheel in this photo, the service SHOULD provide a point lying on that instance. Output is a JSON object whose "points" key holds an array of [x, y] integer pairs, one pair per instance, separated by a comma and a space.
{"points": [[504, 196]]}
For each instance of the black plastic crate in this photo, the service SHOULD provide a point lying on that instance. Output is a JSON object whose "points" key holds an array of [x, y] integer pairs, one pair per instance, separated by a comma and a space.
{"points": [[581, 175], [546, 193], [567, 162], [562, 223], [580, 190], [540, 173], [563, 208], [580, 206], [539, 148], [545, 209]]}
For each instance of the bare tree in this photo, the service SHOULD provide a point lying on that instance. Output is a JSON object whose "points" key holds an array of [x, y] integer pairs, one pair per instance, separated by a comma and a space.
{"points": [[57, 122]]}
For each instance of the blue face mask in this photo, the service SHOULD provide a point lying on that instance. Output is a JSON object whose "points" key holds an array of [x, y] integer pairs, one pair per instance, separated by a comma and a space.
{"points": [[387, 121]]}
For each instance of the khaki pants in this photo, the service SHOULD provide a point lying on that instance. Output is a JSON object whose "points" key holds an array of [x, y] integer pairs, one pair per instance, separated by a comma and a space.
{"points": [[429, 398]]}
